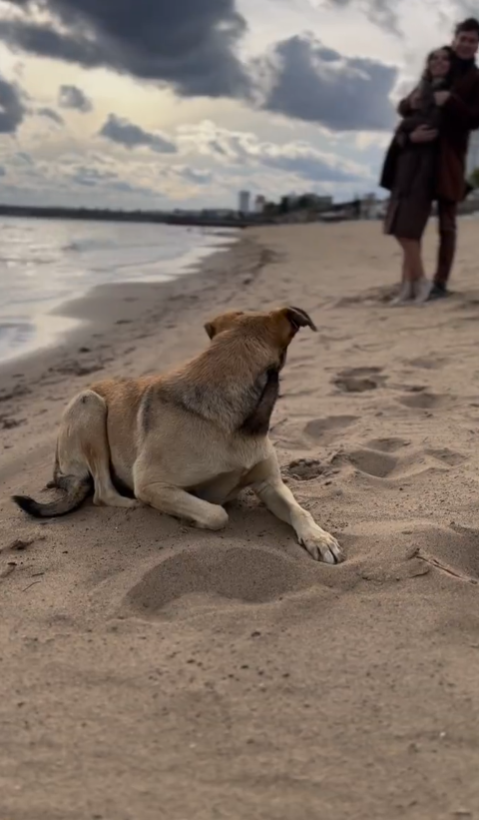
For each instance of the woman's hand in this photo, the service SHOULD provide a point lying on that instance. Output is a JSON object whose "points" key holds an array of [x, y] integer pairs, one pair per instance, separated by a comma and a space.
{"points": [[415, 100], [423, 134], [441, 97]]}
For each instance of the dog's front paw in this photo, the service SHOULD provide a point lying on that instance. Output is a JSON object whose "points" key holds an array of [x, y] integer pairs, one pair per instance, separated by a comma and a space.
{"points": [[321, 546]]}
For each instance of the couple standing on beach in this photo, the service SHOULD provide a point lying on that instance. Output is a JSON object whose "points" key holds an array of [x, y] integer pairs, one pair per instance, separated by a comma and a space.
{"points": [[426, 160]]}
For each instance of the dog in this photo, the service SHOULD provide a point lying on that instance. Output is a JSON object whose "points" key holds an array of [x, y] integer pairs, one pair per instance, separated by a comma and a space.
{"points": [[190, 440]]}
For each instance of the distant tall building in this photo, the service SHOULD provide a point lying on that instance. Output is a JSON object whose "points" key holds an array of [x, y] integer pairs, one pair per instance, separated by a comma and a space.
{"points": [[472, 161], [243, 202], [259, 204]]}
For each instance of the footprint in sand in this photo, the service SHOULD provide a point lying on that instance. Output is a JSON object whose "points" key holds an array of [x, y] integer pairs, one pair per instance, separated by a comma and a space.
{"points": [[380, 295], [75, 368], [431, 362], [305, 469], [387, 445], [381, 463], [449, 457], [317, 428], [370, 462], [468, 302], [10, 422], [359, 379], [252, 576], [422, 400]]}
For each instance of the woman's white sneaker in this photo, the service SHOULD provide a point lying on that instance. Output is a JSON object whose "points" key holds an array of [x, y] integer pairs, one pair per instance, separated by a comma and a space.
{"points": [[422, 291], [406, 294]]}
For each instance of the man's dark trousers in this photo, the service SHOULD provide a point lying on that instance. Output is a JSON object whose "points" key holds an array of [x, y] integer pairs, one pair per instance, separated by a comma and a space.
{"points": [[447, 215]]}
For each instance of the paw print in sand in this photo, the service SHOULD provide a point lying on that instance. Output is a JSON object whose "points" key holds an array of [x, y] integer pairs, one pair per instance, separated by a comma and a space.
{"points": [[305, 469]]}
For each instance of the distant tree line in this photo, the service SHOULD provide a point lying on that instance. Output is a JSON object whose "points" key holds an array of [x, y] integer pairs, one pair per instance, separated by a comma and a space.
{"points": [[287, 205]]}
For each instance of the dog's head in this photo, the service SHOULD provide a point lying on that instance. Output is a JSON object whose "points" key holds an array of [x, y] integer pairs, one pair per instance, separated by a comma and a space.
{"points": [[280, 325], [273, 331]]}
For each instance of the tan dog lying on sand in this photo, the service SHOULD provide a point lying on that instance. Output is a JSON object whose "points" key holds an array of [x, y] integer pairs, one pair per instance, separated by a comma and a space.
{"points": [[188, 441]]}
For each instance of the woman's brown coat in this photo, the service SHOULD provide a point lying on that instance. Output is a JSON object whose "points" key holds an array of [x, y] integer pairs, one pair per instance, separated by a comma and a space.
{"points": [[460, 117]]}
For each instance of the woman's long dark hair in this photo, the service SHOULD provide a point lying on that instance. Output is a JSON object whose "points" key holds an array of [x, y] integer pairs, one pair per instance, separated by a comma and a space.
{"points": [[426, 75]]}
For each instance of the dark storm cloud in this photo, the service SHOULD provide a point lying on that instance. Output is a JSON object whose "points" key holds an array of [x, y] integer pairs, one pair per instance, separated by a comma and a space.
{"points": [[189, 44], [70, 96], [12, 109], [130, 135], [50, 114], [315, 84]]}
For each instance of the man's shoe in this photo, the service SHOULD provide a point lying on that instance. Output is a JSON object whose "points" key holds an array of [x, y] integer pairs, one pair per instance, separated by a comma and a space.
{"points": [[438, 292]]}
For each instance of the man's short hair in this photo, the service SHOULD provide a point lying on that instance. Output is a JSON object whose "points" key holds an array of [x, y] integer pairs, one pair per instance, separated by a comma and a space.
{"points": [[471, 24]]}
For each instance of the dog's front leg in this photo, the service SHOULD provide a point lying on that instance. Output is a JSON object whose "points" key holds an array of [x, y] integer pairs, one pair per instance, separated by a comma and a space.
{"points": [[180, 504], [279, 499], [281, 502]]}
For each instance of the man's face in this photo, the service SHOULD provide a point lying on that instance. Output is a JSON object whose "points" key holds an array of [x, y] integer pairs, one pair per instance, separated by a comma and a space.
{"points": [[466, 44]]}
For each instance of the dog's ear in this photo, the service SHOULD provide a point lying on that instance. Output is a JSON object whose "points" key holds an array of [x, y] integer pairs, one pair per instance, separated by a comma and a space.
{"points": [[210, 329], [222, 323], [298, 318]]}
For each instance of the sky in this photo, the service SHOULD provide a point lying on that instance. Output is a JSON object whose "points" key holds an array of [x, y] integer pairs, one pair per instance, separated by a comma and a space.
{"points": [[160, 104]]}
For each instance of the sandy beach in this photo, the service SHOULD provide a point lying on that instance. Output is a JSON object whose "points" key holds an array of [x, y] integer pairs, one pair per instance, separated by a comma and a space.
{"points": [[152, 671]]}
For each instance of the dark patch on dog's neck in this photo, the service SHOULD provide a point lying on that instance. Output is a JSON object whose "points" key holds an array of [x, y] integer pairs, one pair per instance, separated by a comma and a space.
{"points": [[257, 422]]}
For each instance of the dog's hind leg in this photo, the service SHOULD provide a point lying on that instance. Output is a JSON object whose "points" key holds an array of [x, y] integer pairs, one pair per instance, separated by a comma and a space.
{"points": [[265, 480], [82, 459], [83, 448]]}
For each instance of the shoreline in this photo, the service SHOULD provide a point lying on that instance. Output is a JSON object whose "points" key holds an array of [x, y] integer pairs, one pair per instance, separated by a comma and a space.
{"points": [[104, 307], [69, 313]]}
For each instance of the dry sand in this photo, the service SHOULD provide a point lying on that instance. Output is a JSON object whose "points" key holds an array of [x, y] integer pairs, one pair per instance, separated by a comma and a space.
{"points": [[152, 671]]}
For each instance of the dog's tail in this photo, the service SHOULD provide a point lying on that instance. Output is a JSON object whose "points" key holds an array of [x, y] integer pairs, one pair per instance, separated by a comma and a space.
{"points": [[75, 490]]}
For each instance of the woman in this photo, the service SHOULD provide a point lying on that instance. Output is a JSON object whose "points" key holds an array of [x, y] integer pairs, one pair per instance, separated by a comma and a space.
{"points": [[409, 172]]}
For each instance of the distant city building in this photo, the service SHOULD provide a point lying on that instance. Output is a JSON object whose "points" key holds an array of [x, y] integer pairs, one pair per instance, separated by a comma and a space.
{"points": [[370, 207], [323, 203], [317, 202], [243, 202], [186, 212], [218, 213], [472, 161], [259, 204]]}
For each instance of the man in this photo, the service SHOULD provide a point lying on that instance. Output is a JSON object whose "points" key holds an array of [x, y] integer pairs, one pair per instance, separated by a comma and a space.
{"points": [[461, 116]]}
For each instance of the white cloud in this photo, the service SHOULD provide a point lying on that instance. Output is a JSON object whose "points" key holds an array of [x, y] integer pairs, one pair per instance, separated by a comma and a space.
{"points": [[244, 148]]}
